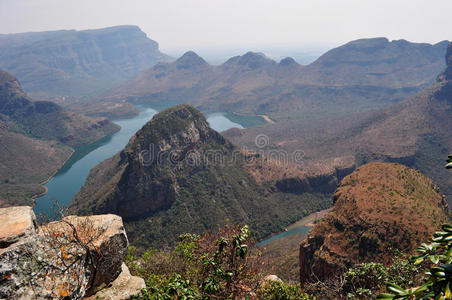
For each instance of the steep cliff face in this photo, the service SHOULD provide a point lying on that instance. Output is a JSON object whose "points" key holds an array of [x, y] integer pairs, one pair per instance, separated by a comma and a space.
{"points": [[179, 175], [71, 63], [380, 206]]}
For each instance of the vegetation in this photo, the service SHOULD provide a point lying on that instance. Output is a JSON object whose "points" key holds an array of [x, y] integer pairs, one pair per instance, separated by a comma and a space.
{"points": [[367, 279], [206, 185], [436, 260], [217, 265], [36, 137]]}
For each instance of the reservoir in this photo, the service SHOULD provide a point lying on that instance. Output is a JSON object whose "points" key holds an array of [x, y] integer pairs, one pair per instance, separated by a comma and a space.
{"points": [[70, 178]]}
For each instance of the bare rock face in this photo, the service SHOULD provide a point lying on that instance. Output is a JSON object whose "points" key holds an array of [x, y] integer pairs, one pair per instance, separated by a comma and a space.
{"points": [[68, 258], [378, 207], [16, 223], [105, 237], [122, 288]]}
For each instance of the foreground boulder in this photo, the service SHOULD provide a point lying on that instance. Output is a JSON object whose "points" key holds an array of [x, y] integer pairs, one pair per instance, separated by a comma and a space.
{"points": [[68, 258], [104, 238], [122, 288], [16, 223], [379, 208]]}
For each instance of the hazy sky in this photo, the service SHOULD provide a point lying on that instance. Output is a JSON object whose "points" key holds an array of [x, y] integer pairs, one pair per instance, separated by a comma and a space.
{"points": [[209, 24]]}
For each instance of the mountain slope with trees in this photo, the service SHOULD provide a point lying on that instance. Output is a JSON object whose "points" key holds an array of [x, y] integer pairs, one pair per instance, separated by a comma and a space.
{"points": [[37, 138], [178, 175]]}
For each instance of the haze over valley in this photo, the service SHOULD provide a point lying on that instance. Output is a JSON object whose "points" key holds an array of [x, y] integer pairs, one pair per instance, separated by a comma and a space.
{"points": [[254, 150]]}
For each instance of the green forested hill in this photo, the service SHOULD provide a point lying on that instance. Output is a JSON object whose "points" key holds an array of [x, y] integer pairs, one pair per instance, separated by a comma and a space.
{"points": [[178, 175]]}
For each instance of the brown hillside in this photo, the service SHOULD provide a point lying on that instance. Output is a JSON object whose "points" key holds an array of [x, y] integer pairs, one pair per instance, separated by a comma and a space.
{"points": [[379, 207]]}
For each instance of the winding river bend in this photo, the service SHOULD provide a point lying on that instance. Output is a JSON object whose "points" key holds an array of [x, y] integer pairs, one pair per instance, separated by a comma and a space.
{"points": [[70, 178]]}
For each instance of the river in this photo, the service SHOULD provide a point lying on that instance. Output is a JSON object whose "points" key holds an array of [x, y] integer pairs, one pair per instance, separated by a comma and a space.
{"points": [[70, 178]]}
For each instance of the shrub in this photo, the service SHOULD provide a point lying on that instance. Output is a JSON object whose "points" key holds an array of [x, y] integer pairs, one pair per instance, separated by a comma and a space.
{"points": [[217, 265], [281, 291]]}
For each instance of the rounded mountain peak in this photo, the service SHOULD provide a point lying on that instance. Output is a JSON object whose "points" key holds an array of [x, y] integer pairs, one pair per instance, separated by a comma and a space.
{"points": [[377, 207], [176, 126], [252, 60], [190, 60], [288, 61]]}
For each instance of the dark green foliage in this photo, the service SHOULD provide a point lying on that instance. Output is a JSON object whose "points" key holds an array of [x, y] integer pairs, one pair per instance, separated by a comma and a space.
{"points": [[366, 279], [218, 265], [266, 215], [282, 291], [437, 259], [174, 288]]}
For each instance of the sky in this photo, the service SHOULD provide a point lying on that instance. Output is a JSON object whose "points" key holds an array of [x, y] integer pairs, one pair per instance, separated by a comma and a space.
{"points": [[305, 26]]}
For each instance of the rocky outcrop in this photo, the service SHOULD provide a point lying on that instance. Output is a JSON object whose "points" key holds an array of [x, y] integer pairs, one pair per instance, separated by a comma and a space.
{"points": [[70, 258], [16, 223], [122, 288], [378, 207], [104, 235]]}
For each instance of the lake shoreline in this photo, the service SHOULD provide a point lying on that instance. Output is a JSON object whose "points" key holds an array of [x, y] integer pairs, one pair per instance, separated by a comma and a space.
{"points": [[307, 221], [46, 189]]}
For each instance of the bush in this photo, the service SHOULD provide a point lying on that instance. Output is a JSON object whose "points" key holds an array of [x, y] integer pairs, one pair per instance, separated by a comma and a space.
{"points": [[367, 279], [217, 265], [281, 291], [437, 259]]}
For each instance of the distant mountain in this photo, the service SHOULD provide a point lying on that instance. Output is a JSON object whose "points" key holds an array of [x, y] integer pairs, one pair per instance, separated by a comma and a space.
{"points": [[379, 208], [416, 132], [358, 76], [36, 138], [68, 64], [178, 175]]}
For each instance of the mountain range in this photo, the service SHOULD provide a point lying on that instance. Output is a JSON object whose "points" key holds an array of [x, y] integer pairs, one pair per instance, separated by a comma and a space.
{"points": [[415, 132], [36, 138], [358, 76], [66, 65]]}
